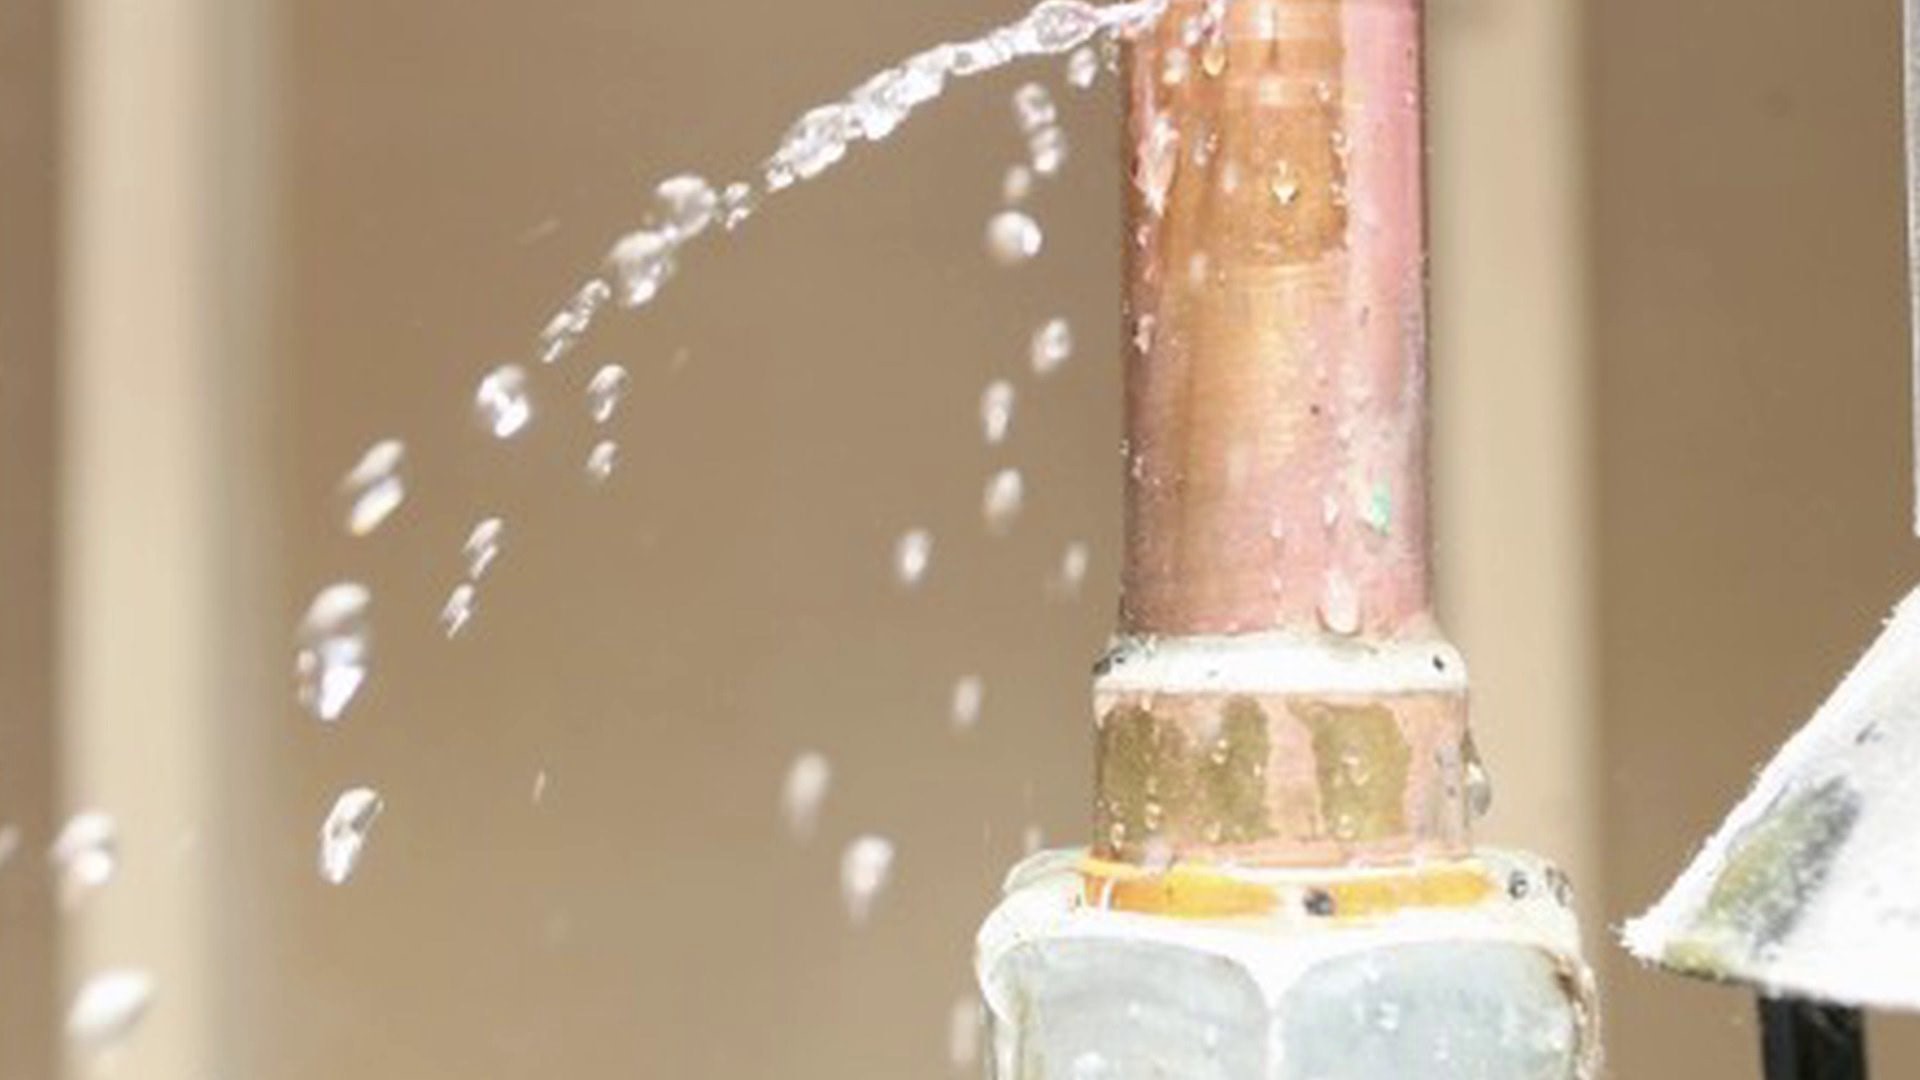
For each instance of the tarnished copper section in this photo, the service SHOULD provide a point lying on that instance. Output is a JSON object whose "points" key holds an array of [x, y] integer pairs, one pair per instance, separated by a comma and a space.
{"points": [[1276, 389], [1281, 779]]}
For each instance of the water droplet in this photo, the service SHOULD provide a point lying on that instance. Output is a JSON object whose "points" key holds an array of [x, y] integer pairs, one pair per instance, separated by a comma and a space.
{"points": [[502, 402], [571, 323], [981, 55], [1006, 493], [996, 411], [865, 868], [1159, 155], [1074, 562], [108, 1007], [1285, 186], [1058, 25], [1033, 108], [85, 855], [969, 694], [1143, 328], [334, 650], [879, 104], [1017, 185], [912, 554], [1083, 68], [737, 204], [601, 460], [605, 390], [1340, 604], [808, 779], [374, 489], [1479, 783], [482, 547], [344, 834], [642, 262], [458, 610], [811, 146], [685, 206], [1174, 67], [1052, 346], [1213, 57], [1013, 238], [963, 1033], [1047, 150]]}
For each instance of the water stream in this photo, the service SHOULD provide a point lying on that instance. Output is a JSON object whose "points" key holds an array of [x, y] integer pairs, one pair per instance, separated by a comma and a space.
{"points": [[335, 645]]}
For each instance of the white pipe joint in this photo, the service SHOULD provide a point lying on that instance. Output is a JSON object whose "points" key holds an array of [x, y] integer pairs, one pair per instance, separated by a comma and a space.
{"points": [[1464, 968]]}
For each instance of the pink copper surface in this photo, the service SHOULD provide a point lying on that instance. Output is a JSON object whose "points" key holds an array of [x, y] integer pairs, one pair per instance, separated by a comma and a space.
{"points": [[1277, 319]]}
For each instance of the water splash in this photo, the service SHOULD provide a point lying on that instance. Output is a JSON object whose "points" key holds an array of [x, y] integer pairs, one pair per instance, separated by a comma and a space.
{"points": [[605, 390], [996, 411], [969, 695], [1000, 505], [1013, 237], [335, 650], [1052, 346], [343, 835], [501, 401], [85, 855], [373, 489], [866, 866], [601, 461], [108, 1007], [912, 555], [804, 790]]}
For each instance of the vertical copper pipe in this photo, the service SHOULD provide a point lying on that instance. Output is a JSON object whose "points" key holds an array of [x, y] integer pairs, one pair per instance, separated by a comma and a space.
{"points": [[1276, 390], [1276, 426]]}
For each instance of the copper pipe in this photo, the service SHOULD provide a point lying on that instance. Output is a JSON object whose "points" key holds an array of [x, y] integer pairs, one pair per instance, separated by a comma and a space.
{"points": [[1276, 425], [1276, 390]]}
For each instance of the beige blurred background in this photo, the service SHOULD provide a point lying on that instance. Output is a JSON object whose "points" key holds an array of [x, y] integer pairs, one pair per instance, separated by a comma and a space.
{"points": [[239, 242]]}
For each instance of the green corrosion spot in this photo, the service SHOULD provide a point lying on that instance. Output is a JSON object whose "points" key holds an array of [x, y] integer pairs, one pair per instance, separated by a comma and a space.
{"points": [[1378, 513], [1360, 762], [1771, 872]]}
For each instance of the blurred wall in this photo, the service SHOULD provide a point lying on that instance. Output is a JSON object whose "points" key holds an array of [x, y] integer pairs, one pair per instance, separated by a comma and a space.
{"points": [[29, 200], [1751, 397]]}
